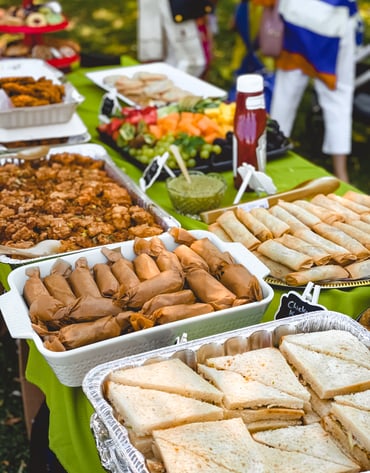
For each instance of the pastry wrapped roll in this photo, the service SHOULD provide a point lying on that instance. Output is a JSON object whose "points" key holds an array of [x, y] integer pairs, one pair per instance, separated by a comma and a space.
{"points": [[359, 270], [88, 308], [115, 255], [236, 230], [350, 204], [125, 274], [341, 238], [82, 281], [33, 287], [52, 343], [48, 310], [284, 255], [214, 257], [189, 258], [277, 270], [164, 282], [318, 255], [362, 199], [276, 226], [106, 281], [284, 216], [57, 284], [327, 203], [151, 247], [329, 272], [209, 290], [258, 228], [241, 282], [168, 260], [325, 215], [186, 296], [172, 313], [216, 228], [355, 232], [303, 215], [182, 236], [145, 267], [365, 218], [140, 321]]}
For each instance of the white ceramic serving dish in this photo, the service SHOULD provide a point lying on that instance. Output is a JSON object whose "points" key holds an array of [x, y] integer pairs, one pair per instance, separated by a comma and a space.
{"points": [[71, 366]]}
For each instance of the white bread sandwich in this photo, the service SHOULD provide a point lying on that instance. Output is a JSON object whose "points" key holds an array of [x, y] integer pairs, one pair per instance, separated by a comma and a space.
{"points": [[338, 343], [351, 428], [311, 440], [265, 365], [173, 376], [327, 375], [226, 445], [360, 400], [144, 410]]}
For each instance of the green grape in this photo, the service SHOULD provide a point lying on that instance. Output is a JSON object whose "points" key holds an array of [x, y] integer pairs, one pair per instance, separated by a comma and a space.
{"points": [[191, 163], [204, 153], [216, 149]]}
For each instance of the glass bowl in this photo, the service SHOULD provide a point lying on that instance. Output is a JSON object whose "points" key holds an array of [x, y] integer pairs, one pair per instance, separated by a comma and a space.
{"points": [[205, 192]]}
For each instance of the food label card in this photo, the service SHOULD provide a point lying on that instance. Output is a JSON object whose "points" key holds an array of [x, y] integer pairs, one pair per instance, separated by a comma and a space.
{"points": [[153, 170], [293, 303]]}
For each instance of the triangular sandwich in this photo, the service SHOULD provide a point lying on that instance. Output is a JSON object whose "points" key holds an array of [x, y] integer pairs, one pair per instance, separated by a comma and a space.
{"points": [[173, 376], [360, 400]]}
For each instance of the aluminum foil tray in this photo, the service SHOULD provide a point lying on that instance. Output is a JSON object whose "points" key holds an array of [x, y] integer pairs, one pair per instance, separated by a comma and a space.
{"points": [[164, 219], [115, 449]]}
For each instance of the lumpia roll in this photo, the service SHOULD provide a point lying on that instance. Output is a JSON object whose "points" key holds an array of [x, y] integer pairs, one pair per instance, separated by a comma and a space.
{"points": [[324, 201], [214, 257], [236, 230], [33, 287], [325, 215], [284, 255], [359, 270], [173, 313], [209, 290], [115, 255], [238, 279], [329, 272], [318, 255], [355, 232], [124, 274], [303, 215], [168, 260], [258, 228], [163, 283], [82, 281], [365, 218], [145, 267], [350, 204], [277, 270], [152, 246], [276, 226], [49, 310], [106, 281], [186, 296], [284, 216], [88, 308], [216, 228], [182, 236], [189, 258], [362, 199], [57, 284]]}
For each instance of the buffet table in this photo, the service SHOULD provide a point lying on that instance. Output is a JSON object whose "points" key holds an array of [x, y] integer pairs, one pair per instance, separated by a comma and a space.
{"points": [[69, 431]]}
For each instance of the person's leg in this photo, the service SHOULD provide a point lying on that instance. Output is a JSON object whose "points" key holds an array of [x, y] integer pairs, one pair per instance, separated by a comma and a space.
{"points": [[286, 97]]}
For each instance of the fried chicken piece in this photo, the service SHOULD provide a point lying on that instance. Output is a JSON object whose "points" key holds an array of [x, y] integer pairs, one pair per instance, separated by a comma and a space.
{"points": [[144, 231], [141, 216]]}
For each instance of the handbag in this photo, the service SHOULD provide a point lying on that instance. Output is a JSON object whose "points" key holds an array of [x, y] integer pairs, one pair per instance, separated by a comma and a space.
{"points": [[271, 32]]}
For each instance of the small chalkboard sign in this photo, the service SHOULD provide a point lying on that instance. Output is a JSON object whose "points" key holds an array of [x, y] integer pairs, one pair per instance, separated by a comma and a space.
{"points": [[294, 304], [109, 106], [153, 170]]}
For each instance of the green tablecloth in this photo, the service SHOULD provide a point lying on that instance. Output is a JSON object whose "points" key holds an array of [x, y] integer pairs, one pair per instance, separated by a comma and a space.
{"points": [[69, 431]]}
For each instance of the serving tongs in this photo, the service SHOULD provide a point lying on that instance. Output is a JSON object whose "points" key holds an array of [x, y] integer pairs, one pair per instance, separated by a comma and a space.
{"points": [[320, 185], [29, 154]]}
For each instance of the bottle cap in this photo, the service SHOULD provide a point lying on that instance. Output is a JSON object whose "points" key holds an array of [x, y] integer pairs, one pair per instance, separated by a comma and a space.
{"points": [[249, 83]]}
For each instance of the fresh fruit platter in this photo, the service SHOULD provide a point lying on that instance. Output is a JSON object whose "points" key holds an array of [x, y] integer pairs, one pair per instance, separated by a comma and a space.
{"points": [[202, 129]]}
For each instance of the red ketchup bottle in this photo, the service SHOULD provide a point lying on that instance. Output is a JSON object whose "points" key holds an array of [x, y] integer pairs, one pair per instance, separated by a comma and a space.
{"points": [[249, 140]]}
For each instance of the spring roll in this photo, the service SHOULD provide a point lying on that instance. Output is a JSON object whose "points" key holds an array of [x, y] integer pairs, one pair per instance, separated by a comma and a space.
{"points": [[214, 257], [286, 217], [189, 258], [350, 204], [236, 230], [57, 284], [359, 270], [276, 226], [182, 236], [145, 267], [106, 281], [124, 274], [318, 255], [33, 287], [362, 199], [173, 313], [168, 260], [219, 231], [89, 308], [324, 201], [82, 281], [163, 283], [151, 247], [186, 296], [115, 255], [365, 218], [330, 272], [324, 214], [355, 232], [258, 228], [277, 270], [341, 238], [241, 282], [209, 290], [303, 215], [48, 310], [339, 254], [284, 255]]}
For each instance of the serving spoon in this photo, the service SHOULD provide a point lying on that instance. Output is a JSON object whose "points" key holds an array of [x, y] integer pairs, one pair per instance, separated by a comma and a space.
{"points": [[43, 248]]}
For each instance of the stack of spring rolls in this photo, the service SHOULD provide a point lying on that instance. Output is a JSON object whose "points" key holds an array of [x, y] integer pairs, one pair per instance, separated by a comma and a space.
{"points": [[76, 306], [325, 239]]}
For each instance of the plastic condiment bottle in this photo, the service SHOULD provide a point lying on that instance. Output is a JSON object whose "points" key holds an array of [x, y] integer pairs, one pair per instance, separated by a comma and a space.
{"points": [[249, 137]]}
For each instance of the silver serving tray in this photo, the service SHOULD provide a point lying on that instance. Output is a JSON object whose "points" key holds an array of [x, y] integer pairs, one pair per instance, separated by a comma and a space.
{"points": [[115, 449]]}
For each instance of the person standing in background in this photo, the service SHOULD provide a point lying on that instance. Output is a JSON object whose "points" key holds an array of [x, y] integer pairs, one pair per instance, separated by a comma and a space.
{"points": [[319, 44], [178, 32]]}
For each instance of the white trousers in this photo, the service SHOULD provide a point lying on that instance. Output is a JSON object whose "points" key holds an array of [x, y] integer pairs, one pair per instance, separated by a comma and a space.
{"points": [[161, 39], [336, 104]]}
